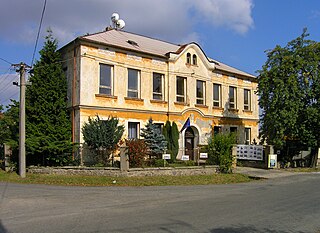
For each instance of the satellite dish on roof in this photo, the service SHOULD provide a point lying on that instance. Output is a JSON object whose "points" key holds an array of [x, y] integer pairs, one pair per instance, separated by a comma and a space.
{"points": [[115, 17], [120, 24], [117, 23]]}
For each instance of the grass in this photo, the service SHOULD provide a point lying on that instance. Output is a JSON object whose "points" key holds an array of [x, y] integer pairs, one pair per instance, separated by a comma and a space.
{"points": [[77, 180]]}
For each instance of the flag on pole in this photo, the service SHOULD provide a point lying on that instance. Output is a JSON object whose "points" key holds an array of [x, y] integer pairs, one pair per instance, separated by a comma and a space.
{"points": [[186, 124]]}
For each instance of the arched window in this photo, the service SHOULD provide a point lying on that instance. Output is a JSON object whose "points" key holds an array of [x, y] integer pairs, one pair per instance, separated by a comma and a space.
{"points": [[194, 59], [188, 58]]}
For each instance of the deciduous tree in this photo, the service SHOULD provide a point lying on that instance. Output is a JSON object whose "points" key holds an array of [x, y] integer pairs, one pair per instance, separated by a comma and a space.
{"points": [[289, 91]]}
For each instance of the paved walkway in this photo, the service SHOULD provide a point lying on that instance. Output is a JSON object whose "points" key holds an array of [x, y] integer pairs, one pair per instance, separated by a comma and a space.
{"points": [[263, 173]]}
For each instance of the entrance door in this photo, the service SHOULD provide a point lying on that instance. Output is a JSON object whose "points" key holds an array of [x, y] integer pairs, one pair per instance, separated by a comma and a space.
{"points": [[189, 143]]}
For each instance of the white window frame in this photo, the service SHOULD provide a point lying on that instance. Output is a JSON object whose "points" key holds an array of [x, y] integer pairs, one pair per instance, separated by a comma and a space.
{"points": [[137, 128], [111, 79], [233, 104], [138, 84], [203, 98], [219, 100], [184, 90], [162, 87], [247, 136], [247, 106]]}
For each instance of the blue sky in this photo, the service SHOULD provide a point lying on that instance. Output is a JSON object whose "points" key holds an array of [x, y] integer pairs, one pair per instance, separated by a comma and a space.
{"points": [[236, 32]]}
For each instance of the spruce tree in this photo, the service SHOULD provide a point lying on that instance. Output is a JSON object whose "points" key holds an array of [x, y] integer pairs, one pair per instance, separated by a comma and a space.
{"points": [[175, 140], [48, 126], [154, 139], [102, 136]]}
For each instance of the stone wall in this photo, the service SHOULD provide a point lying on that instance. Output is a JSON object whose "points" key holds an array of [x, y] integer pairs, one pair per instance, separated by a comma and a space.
{"points": [[88, 171]]}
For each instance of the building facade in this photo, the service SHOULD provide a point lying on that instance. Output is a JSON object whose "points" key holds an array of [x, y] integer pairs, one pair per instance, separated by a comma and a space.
{"points": [[133, 78]]}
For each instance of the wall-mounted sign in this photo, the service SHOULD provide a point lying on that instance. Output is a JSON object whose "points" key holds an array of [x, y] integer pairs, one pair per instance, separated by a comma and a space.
{"points": [[185, 157], [203, 155], [166, 156]]}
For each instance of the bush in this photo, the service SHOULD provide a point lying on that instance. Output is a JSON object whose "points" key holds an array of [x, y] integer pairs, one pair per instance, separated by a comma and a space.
{"points": [[219, 151], [137, 152], [160, 163]]}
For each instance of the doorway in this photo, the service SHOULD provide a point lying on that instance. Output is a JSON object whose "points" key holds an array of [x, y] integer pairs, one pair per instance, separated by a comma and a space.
{"points": [[189, 143]]}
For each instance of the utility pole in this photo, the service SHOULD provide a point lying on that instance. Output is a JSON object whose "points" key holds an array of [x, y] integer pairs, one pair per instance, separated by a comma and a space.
{"points": [[22, 119]]}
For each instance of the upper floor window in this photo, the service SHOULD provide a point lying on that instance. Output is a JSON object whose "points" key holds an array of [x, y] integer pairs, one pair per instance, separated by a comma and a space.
{"points": [[200, 92], [216, 95], [194, 59], [158, 86], [188, 58], [181, 89], [247, 99], [106, 79], [133, 83], [133, 130], [232, 97]]}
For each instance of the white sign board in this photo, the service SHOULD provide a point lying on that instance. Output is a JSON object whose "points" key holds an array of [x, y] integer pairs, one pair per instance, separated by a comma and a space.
{"points": [[250, 152], [185, 157], [203, 155], [166, 156], [272, 163]]}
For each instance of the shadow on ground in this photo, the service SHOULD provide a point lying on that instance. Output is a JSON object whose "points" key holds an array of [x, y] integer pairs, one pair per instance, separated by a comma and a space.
{"points": [[247, 229], [2, 228]]}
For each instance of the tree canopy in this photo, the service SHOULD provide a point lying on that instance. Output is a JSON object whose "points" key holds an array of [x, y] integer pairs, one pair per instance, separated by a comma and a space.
{"points": [[102, 136], [154, 139], [48, 125], [289, 91]]}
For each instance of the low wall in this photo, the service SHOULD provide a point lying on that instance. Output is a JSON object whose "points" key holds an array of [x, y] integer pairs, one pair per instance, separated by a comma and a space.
{"points": [[161, 171]]}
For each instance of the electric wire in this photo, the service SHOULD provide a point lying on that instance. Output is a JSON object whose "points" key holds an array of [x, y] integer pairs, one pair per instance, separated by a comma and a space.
{"points": [[40, 24], [5, 61]]}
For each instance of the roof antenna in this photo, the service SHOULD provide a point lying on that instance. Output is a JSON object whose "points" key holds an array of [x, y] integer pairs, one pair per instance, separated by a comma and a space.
{"points": [[117, 23]]}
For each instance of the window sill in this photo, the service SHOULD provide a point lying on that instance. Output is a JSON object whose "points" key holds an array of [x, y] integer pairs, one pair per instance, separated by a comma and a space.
{"points": [[134, 99], [181, 103], [201, 106], [217, 108], [106, 96], [158, 101], [233, 110], [247, 111]]}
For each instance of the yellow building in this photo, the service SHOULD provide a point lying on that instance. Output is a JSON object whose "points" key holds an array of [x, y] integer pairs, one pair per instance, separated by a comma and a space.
{"points": [[133, 77]]}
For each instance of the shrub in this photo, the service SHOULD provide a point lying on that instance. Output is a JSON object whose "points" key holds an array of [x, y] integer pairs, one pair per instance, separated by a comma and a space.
{"points": [[137, 152], [219, 151]]}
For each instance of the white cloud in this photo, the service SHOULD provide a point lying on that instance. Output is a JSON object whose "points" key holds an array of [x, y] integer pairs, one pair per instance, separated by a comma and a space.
{"points": [[164, 19]]}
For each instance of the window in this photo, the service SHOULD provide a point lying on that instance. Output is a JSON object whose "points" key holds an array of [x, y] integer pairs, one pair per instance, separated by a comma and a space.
{"points": [[216, 95], [200, 92], [159, 127], [133, 83], [106, 74], [234, 130], [194, 59], [247, 136], [157, 86], [133, 129], [217, 130], [181, 87], [247, 99], [188, 58], [232, 97]]}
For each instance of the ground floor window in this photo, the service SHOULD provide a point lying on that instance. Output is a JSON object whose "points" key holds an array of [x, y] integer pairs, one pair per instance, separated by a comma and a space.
{"points": [[217, 130], [133, 130], [247, 136]]}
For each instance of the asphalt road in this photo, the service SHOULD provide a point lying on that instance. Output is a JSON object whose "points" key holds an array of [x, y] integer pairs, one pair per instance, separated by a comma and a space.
{"points": [[287, 204]]}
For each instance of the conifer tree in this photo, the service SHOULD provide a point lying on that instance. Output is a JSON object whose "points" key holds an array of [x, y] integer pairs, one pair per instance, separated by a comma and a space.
{"points": [[171, 134], [48, 126], [154, 139]]}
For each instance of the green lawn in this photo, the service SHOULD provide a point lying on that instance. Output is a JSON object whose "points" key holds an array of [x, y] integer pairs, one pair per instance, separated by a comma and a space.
{"points": [[77, 180]]}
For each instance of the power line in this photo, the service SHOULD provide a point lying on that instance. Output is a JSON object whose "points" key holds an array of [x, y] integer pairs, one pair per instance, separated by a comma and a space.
{"points": [[35, 47], [5, 61]]}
